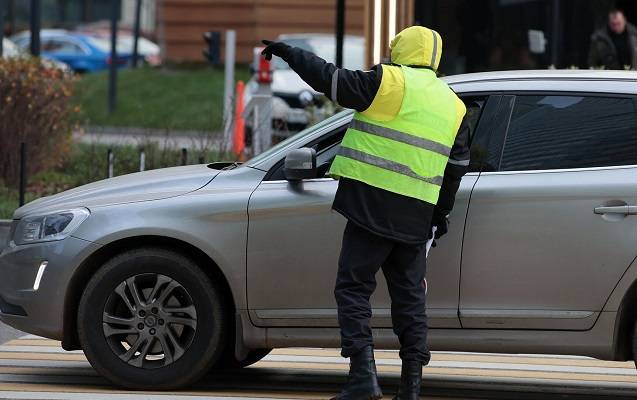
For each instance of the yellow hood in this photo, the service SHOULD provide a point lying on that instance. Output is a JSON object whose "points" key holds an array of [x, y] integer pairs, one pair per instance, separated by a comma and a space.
{"points": [[418, 46]]}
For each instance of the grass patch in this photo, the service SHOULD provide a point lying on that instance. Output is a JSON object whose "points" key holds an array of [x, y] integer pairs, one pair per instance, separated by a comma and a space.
{"points": [[87, 163], [179, 99]]}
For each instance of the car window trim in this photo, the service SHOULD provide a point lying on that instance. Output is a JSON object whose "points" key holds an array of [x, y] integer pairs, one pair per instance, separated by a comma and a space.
{"points": [[517, 94], [560, 93], [559, 170]]}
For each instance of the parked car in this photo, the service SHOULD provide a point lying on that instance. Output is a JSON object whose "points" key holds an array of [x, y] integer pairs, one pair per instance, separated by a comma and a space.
{"points": [[291, 94], [10, 50], [149, 52], [160, 275], [81, 52]]}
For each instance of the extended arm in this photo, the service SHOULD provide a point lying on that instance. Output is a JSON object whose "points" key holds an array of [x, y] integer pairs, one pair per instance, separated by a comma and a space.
{"points": [[350, 89]]}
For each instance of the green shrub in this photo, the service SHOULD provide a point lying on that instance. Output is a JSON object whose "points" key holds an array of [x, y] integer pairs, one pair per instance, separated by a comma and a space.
{"points": [[35, 108]]}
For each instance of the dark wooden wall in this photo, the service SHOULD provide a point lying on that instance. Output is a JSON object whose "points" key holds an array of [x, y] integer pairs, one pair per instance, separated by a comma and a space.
{"points": [[182, 22]]}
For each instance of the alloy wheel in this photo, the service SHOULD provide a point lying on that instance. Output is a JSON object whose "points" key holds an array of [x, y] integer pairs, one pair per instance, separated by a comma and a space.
{"points": [[149, 320]]}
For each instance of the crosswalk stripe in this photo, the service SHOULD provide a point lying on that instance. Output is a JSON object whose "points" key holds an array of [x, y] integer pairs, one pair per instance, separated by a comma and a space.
{"points": [[22, 346], [35, 368], [82, 392], [33, 342]]}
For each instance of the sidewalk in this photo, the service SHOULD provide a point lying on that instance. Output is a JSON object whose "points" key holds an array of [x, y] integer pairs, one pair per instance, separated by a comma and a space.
{"points": [[138, 136]]}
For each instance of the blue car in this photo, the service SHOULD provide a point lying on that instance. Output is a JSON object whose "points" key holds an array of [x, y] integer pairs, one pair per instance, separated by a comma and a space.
{"points": [[83, 53]]}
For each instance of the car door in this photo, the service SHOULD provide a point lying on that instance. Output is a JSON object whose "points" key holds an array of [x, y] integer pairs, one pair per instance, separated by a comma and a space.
{"points": [[548, 232], [294, 240]]}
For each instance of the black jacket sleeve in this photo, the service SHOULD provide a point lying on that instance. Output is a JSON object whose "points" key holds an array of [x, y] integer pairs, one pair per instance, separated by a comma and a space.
{"points": [[350, 89], [457, 166]]}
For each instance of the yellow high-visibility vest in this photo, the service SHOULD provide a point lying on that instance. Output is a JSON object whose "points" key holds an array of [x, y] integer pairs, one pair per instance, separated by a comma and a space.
{"points": [[404, 153]]}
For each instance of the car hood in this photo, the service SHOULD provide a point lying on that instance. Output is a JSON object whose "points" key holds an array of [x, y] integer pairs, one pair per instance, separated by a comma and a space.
{"points": [[142, 186], [288, 82]]}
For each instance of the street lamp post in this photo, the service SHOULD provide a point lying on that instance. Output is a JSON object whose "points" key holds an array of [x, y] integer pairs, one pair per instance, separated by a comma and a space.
{"points": [[138, 11], [3, 7], [112, 83], [35, 27], [340, 31]]}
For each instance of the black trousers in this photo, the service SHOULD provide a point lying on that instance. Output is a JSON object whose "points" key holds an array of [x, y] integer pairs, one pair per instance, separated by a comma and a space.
{"points": [[403, 265]]}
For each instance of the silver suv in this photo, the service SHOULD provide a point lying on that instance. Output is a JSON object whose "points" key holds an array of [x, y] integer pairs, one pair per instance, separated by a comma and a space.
{"points": [[161, 275]]}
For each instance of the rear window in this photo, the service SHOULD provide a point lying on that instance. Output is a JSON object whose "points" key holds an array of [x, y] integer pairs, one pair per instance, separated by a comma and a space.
{"points": [[558, 132]]}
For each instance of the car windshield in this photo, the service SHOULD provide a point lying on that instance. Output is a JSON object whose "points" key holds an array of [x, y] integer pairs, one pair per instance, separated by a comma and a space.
{"points": [[292, 140], [353, 51]]}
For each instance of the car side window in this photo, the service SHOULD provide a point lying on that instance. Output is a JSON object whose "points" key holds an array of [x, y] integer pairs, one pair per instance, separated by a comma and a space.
{"points": [[326, 148], [61, 46], [558, 132]]}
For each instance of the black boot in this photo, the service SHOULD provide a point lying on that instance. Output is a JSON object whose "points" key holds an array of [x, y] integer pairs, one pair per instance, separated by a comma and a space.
{"points": [[410, 380], [362, 383]]}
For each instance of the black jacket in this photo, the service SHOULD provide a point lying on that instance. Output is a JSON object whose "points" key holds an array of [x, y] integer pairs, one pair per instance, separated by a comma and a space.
{"points": [[384, 213], [604, 53]]}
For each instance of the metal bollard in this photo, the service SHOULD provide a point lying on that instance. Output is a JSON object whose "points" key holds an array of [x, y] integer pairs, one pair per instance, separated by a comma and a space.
{"points": [[142, 160], [23, 171], [109, 163], [184, 156]]}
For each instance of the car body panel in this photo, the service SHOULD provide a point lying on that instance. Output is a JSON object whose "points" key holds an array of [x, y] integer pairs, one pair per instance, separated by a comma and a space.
{"points": [[142, 186], [44, 307], [213, 219], [529, 234], [299, 216]]}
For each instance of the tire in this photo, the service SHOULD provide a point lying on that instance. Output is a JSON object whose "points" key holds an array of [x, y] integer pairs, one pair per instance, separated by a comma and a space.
{"points": [[155, 342], [228, 360]]}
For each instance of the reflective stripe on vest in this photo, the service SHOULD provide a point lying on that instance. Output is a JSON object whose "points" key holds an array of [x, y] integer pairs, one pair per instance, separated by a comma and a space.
{"points": [[400, 137], [387, 164]]}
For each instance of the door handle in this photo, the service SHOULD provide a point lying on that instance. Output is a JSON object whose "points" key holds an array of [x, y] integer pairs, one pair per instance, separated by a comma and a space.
{"points": [[623, 210]]}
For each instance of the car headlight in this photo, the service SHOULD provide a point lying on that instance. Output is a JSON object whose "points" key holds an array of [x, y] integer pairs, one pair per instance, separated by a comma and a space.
{"points": [[49, 227]]}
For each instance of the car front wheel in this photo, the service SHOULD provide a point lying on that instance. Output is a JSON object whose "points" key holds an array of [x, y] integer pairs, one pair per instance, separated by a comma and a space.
{"points": [[151, 319]]}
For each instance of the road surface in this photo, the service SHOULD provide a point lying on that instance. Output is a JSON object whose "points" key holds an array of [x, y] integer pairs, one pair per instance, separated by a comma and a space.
{"points": [[36, 368]]}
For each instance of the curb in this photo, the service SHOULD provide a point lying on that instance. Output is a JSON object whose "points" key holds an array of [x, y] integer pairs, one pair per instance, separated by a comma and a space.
{"points": [[136, 131], [5, 223]]}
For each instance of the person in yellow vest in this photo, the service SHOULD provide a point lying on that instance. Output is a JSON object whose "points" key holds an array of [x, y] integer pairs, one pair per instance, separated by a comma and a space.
{"points": [[399, 168]]}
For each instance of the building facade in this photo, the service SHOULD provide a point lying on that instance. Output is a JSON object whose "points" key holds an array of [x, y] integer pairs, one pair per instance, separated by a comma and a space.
{"points": [[181, 23]]}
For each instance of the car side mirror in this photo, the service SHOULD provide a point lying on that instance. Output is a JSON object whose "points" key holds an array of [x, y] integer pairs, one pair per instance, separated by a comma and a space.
{"points": [[300, 164]]}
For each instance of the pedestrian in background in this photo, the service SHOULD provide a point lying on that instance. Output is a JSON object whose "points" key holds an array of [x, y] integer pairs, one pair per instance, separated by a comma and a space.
{"points": [[399, 168], [615, 45]]}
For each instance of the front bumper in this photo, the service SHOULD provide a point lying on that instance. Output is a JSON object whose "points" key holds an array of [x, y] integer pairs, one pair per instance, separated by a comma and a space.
{"points": [[41, 311]]}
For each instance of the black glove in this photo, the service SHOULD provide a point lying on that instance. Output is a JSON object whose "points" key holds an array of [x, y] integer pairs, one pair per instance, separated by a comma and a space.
{"points": [[277, 48], [442, 225]]}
